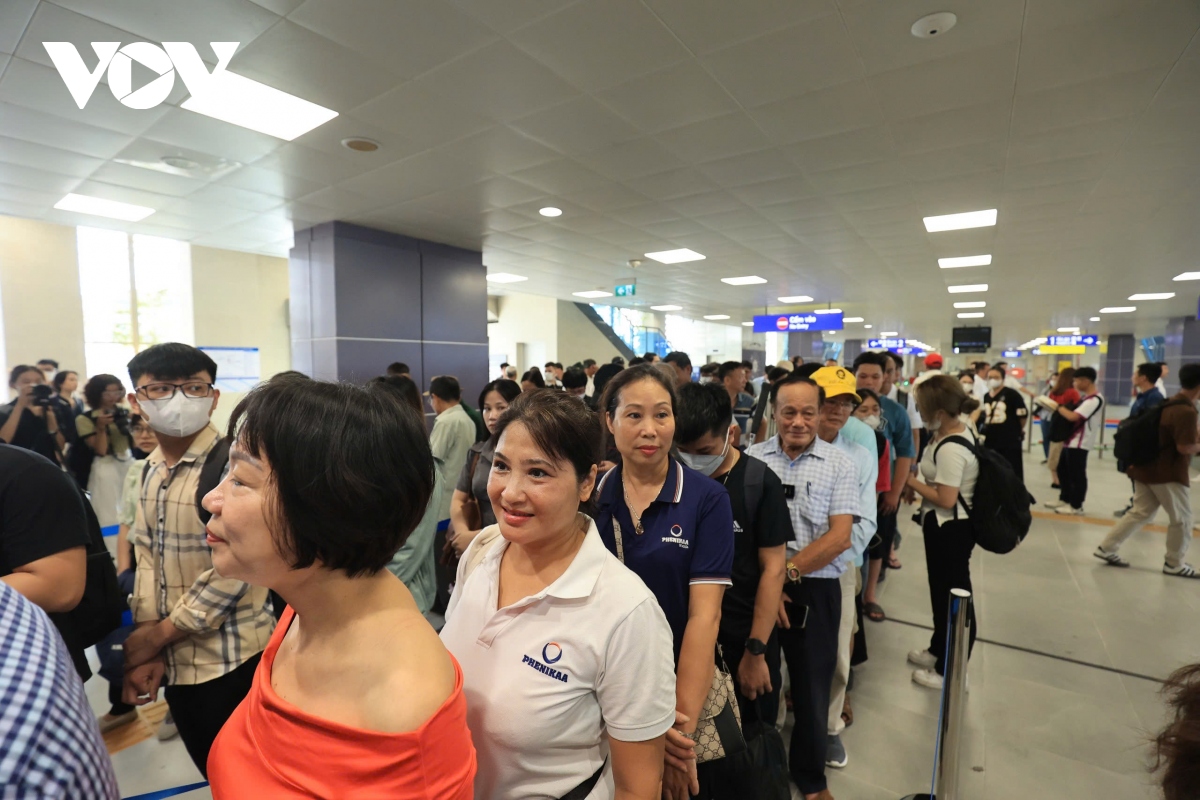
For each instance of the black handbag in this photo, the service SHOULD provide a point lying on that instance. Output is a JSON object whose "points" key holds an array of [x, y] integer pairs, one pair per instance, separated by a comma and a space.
{"points": [[761, 770]]}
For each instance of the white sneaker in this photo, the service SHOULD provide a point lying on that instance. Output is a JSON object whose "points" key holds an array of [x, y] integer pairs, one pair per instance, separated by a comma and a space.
{"points": [[1182, 571], [927, 678], [1112, 559], [167, 730], [923, 659], [1068, 511], [1054, 504]]}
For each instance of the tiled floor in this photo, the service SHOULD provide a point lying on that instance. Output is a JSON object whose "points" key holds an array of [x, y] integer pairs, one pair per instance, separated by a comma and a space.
{"points": [[1035, 726]]}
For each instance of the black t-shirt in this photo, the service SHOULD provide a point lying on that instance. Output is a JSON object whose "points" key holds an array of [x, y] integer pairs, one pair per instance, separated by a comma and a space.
{"points": [[1003, 418], [772, 528], [41, 510], [32, 431]]}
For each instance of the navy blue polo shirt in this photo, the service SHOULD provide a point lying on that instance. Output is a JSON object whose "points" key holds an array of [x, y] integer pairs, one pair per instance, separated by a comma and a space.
{"points": [[688, 538]]}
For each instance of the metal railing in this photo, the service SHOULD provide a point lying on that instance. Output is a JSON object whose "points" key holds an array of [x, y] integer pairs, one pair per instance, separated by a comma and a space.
{"points": [[948, 750]]}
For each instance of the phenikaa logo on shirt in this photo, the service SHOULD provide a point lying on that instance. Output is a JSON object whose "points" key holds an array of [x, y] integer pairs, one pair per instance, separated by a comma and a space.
{"points": [[676, 537], [552, 653]]}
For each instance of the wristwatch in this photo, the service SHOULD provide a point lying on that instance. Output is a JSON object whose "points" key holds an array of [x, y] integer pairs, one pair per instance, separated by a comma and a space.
{"points": [[755, 648]]}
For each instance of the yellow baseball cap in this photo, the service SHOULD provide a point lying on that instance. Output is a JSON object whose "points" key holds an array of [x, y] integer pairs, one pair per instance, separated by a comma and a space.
{"points": [[837, 381]]}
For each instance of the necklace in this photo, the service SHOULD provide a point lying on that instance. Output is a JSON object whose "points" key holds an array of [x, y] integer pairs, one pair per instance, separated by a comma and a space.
{"points": [[637, 518]]}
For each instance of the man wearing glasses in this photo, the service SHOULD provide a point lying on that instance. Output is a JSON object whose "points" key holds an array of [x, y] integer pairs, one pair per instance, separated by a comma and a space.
{"points": [[200, 634]]}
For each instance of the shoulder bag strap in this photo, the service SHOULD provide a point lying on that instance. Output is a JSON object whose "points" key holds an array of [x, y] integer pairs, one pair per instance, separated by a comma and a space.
{"points": [[581, 791]]}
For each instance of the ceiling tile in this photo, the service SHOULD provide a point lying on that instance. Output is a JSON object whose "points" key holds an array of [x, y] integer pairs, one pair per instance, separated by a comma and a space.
{"points": [[208, 135], [502, 150], [507, 16], [708, 140], [576, 126], [424, 118], [676, 96], [328, 139], [607, 197], [1065, 170], [560, 177], [672, 183], [787, 62], [706, 203], [959, 193], [858, 177], [706, 25], [180, 20], [280, 7], [632, 159], [407, 38], [233, 196], [146, 179], [53, 23], [1081, 103], [34, 198], [960, 126], [36, 126], [312, 166], [843, 150], [504, 192], [987, 75], [427, 173], [951, 161], [1182, 85], [51, 159], [210, 217], [499, 81], [757, 167], [14, 16], [792, 210], [835, 109], [293, 59], [597, 44], [124, 194]]}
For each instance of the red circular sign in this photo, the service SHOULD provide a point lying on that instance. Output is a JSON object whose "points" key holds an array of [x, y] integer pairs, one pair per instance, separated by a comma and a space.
{"points": [[782, 323]]}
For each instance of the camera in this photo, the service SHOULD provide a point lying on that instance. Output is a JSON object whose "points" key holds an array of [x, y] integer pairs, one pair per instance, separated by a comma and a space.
{"points": [[121, 420], [41, 394]]}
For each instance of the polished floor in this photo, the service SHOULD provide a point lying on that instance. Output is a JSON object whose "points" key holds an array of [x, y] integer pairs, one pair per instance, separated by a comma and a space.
{"points": [[1070, 721]]}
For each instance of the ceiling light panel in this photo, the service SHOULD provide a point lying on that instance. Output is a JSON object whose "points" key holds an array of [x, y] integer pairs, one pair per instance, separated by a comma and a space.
{"points": [[970, 315], [828, 311], [550, 211], [593, 294], [1068, 330], [957, 222], [967, 288], [1187, 276], [249, 104], [98, 206], [971, 304], [505, 277], [716, 316], [1118, 309], [964, 261], [853, 319], [666, 308], [747, 324], [796, 298], [745, 280], [676, 256], [889, 333], [1152, 296]]}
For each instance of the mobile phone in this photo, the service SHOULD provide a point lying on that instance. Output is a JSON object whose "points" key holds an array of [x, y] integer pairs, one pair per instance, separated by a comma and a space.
{"points": [[798, 615]]}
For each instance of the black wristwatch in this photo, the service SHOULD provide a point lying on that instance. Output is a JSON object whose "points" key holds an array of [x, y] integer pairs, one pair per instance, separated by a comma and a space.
{"points": [[755, 648]]}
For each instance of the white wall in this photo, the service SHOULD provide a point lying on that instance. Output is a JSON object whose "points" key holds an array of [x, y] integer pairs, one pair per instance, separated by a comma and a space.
{"points": [[528, 320], [579, 338]]}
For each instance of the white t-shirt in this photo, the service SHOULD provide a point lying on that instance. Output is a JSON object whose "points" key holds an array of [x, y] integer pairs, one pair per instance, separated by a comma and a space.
{"points": [[548, 676], [955, 466], [980, 388], [1087, 437]]}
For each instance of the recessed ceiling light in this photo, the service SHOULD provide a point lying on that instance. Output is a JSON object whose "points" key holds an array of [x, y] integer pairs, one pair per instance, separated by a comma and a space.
{"points": [[934, 25], [972, 304], [1068, 330], [828, 311], [745, 280], [957, 222], [1187, 276], [967, 288], [716, 316], [666, 308], [964, 261], [505, 277], [550, 211], [853, 319], [676, 256], [970, 315], [889, 333], [238, 100], [1093, 319], [181, 163], [1152, 296], [747, 324], [360, 144], [1118, 309], [796, 298], [85, 204], [868, 327], [592, 294]]}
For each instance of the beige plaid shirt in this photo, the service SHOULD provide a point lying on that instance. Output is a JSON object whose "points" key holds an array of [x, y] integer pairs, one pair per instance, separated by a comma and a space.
{"points": [[229, 621]]}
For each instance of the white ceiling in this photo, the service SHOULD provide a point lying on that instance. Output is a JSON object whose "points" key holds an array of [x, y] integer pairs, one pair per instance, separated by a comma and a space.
{"points": [[799, 140]]}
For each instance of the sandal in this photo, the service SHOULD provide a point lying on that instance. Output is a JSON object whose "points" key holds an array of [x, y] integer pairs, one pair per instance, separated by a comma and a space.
{"points": [[894, 563], [874, 612], [847, 713]]}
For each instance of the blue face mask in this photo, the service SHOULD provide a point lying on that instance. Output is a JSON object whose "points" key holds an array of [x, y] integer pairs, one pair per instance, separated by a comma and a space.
{"points": [[705, 465]]}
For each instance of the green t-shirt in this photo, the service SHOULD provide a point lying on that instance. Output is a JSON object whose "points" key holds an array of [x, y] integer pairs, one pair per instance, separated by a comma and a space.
{"points": [[118, 443]]}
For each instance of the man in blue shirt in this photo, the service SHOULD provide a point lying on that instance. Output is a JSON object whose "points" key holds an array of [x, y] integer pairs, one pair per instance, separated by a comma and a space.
{"points": [[1145, 383], [821, 486], [868, 372], [733, 375]]}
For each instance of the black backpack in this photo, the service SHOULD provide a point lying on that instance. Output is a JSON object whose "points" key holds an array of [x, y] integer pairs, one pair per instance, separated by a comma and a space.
{"points": [[1138, 439], [1000, 511], [752, 488]]}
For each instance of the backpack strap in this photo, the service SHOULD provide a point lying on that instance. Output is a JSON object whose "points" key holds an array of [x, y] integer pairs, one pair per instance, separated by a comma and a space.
{"points": [[974, 448], [216, 463], [752, 488]]}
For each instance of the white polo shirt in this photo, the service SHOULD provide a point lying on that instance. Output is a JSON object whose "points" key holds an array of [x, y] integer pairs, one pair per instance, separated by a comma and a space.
{"points": [[548, 676]]}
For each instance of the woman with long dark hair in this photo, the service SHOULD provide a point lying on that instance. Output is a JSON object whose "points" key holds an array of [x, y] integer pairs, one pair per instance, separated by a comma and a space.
{"points": [[470, 508], [100, 456], [1063, 393]]}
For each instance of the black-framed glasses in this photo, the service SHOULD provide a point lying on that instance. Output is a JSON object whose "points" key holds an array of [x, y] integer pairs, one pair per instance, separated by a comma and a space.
{"points": [[165, 391]]}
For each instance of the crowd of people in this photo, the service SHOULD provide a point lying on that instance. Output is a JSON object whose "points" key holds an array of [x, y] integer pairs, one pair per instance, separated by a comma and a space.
{"points": [[632, 573]]}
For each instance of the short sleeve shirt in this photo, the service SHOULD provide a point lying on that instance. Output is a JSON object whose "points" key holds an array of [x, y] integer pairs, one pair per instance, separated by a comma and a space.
{"points": [[473, 479], [85, 427], [820, 483], [954, 465], [898, 429], [41, 510], [772, 527], [688, 537], [1003, 418], [1177, 426], [1087, 431], [547, 677], [866, 467], [32, 432]]}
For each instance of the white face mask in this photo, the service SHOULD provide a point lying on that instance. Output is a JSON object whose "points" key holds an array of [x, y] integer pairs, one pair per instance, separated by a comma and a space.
{"points": [[873, 421], [705, 465], [932, 425], [177, 416], [995, 383]]}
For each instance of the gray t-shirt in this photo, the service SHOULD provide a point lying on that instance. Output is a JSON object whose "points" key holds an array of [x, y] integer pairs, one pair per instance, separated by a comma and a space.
{"points": [[474, 481]]}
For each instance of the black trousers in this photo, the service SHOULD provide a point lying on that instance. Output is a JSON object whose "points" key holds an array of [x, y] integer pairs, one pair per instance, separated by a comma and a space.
{"points": [[811, 653], [1014, 456], [200, 710], [948, 559], [766, 707], [886, 530], [1072, 476]]}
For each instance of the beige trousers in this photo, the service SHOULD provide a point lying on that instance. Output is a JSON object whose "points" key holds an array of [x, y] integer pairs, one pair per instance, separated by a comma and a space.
{"points": [[841, 673], [1147, 499]]}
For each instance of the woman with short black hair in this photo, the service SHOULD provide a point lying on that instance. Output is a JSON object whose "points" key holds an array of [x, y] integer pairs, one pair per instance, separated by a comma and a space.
{"points": [[326, 481], [470, 508], [101, 454], [24, 422]]}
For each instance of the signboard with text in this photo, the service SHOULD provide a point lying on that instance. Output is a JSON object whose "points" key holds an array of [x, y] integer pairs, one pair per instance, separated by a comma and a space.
{"points": [[626, 290], [791, 323], [886, 344], [1087, 340], [1012, 354]]}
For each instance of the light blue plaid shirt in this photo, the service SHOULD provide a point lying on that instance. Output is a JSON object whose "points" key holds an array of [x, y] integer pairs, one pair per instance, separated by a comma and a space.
{"points": [[866, 465], [824, 483], [50, 745]]}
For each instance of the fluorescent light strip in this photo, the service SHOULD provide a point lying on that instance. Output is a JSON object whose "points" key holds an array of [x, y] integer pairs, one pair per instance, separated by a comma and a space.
{"points": [[796, 298], [745, 280], [675, 256], [716, 316], [1093, 319], [972, 304], [853, 319], [592, 294], [98, 206], [957, 222], [550, 211], [964, 261], [250, 104], [1118, 309], [967, 288], [1152, 296], [666, 308], [505, 277], [1187, 276], [868, 327], [747, 324], [890, 333], [828, 311], [1068, 330]]}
